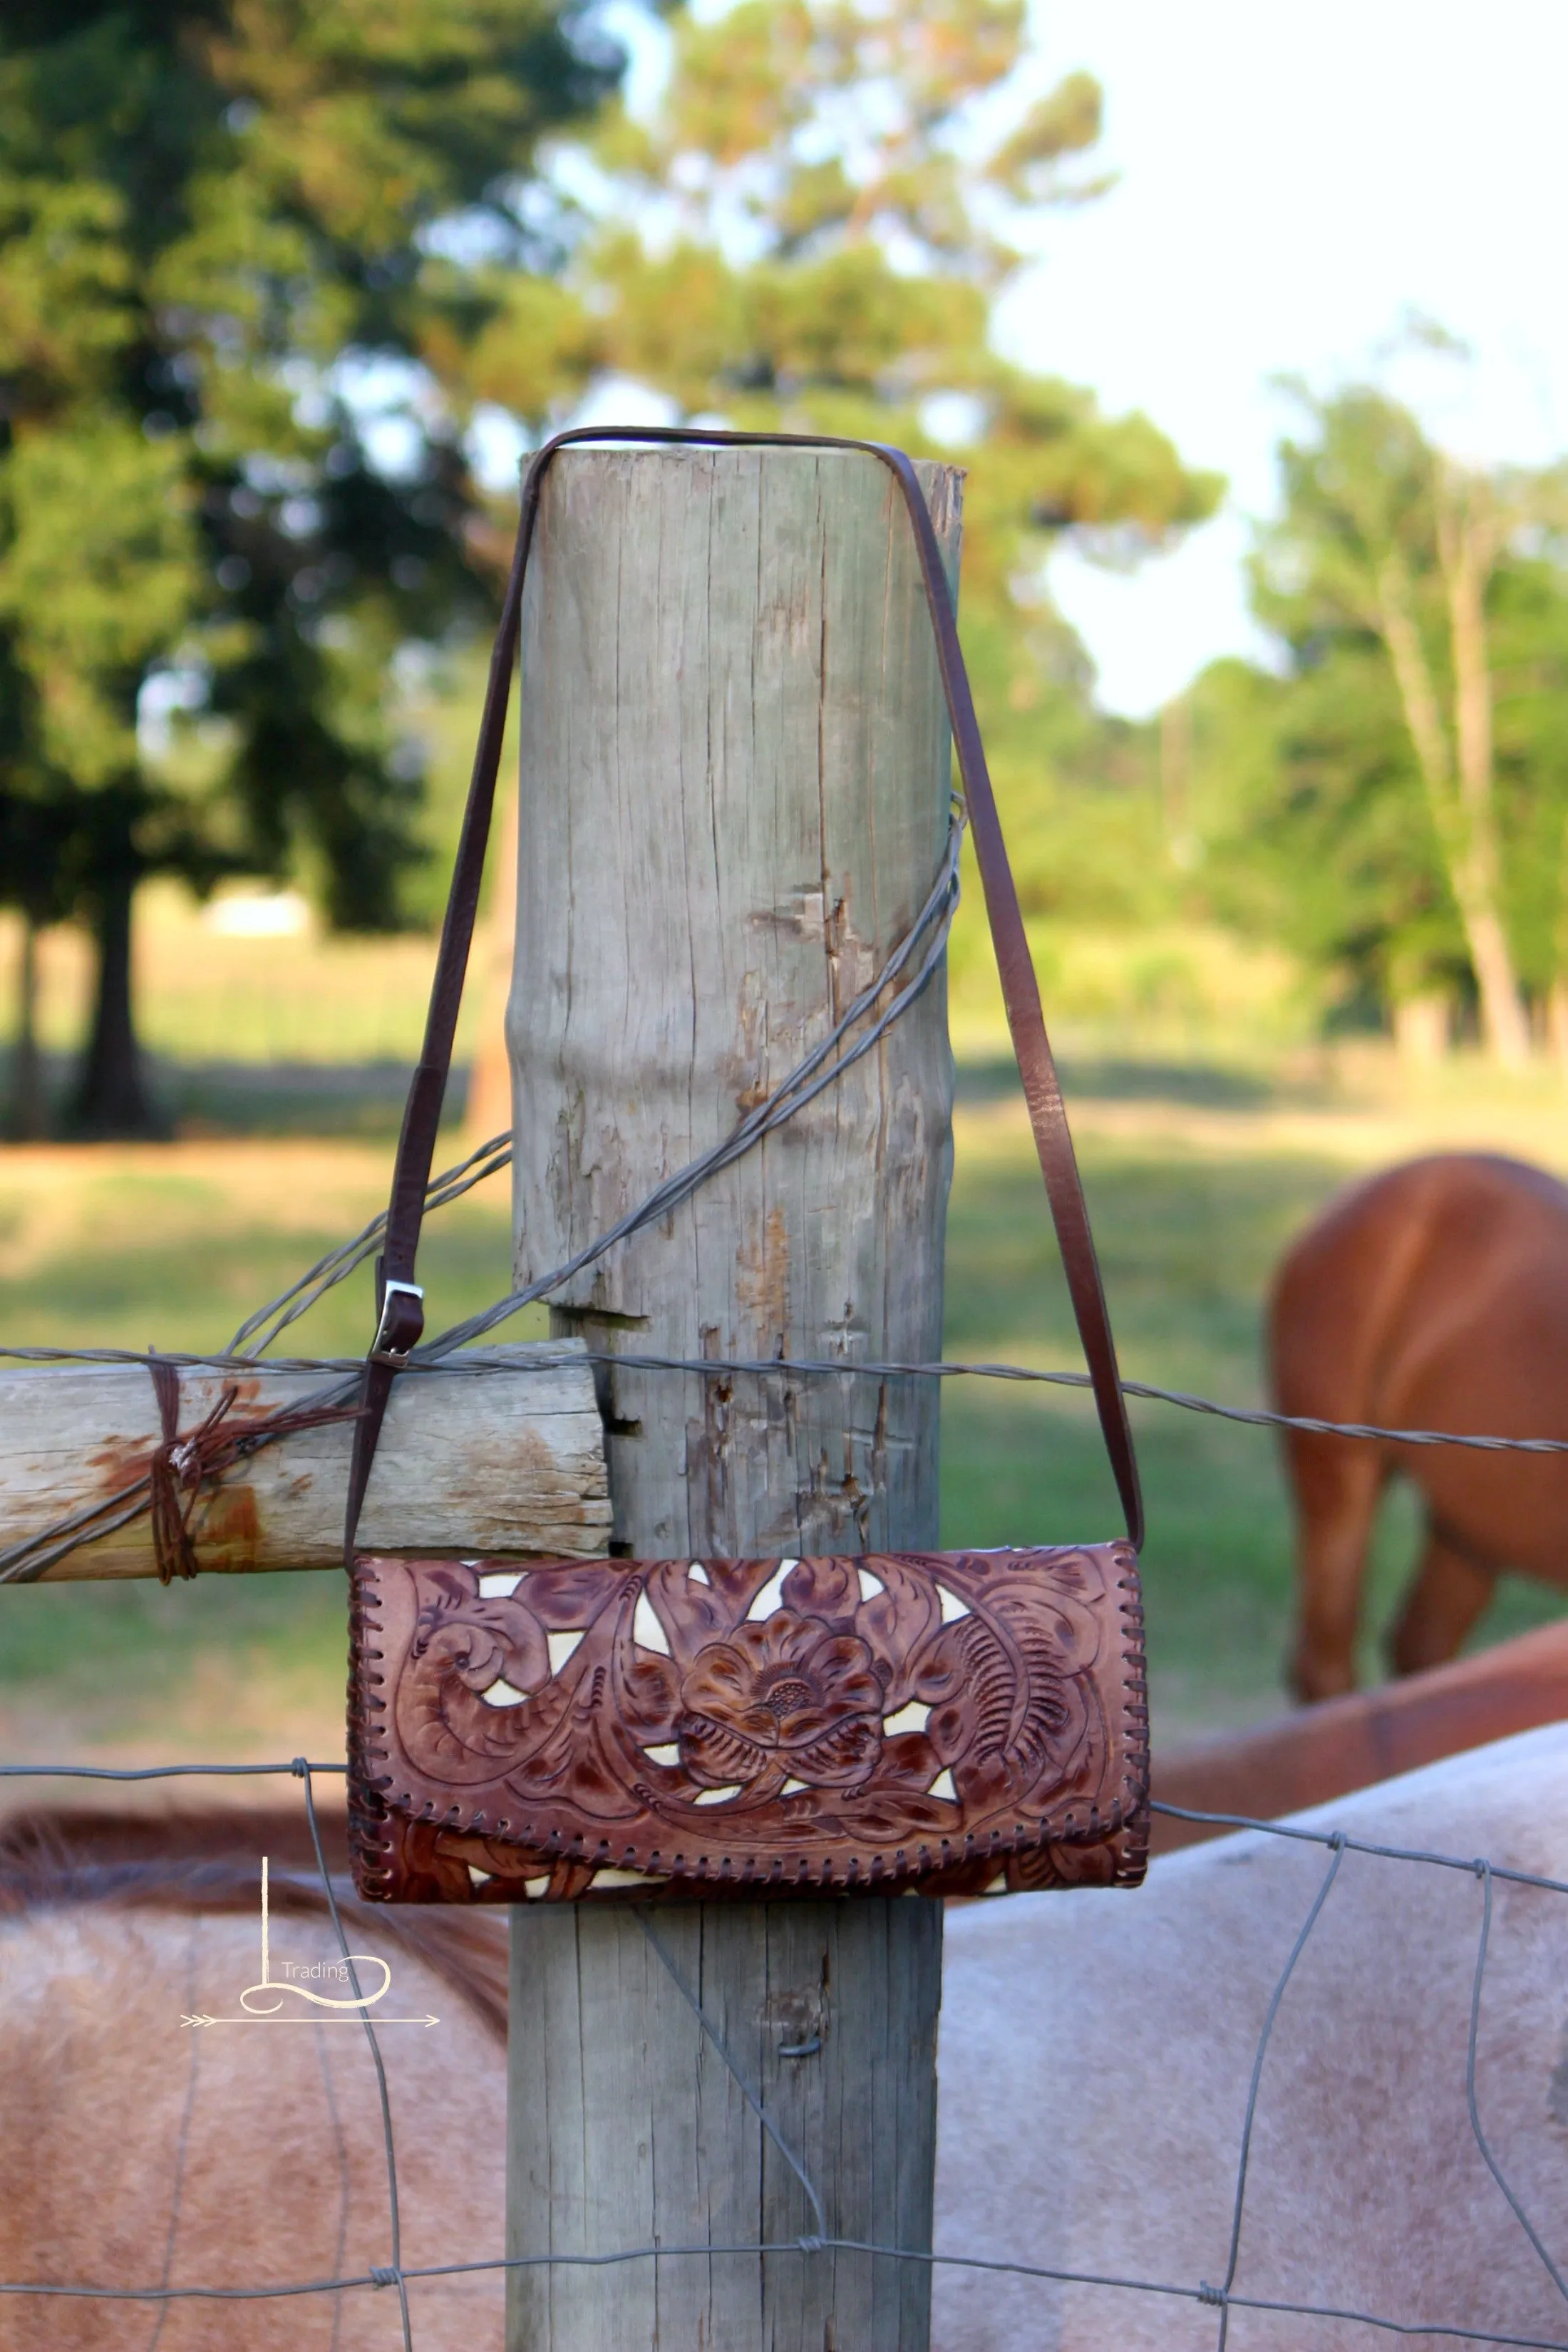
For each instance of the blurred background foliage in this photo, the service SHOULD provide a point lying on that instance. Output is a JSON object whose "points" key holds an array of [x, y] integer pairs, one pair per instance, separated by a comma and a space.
{"points": [[213, 574], [285, 294]]}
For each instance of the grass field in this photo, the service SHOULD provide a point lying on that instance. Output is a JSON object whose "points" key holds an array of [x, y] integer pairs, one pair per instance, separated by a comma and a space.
{"points": [[1196, 1179]]}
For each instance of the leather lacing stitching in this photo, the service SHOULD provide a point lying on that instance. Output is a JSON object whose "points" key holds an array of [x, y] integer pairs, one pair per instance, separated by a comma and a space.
{"points": [[1124, 1818], [1135, 1858]]}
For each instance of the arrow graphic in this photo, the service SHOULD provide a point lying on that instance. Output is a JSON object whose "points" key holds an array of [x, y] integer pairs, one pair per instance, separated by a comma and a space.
{"points": [[200, 2018], [347, 2013]]}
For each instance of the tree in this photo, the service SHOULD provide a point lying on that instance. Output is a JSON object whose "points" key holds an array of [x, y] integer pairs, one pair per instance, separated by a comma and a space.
{"points": [[39, 829], [228, 229], [1411, 592], [1312, 829], [813, 231]]}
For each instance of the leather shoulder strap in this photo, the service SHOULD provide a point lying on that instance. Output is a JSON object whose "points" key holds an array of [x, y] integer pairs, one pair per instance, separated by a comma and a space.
{"points": [[399, 1306]]}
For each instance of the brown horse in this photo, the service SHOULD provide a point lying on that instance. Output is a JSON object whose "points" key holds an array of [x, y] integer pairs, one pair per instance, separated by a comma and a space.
{"points": [[1432, 1297]]}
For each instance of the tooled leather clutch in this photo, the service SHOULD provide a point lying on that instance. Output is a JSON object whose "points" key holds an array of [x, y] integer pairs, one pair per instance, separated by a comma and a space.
{"points": [[942, 1722], [946, 1721]]}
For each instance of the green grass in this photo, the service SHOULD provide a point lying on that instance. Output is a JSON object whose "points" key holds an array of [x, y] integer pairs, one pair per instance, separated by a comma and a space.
{"points": [[1186, 1244], [1187, 1240], [121, 1248], [1193, 1195]]}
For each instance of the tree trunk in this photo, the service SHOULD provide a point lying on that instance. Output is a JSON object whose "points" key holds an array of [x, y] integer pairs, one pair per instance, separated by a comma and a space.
{"points": [[111, 1096], [1557, 1023], [1505, 1023], [1421, 1028], [1463, 819], [1181, 846], [29, 1112], [1466, 543], [735, 780]]}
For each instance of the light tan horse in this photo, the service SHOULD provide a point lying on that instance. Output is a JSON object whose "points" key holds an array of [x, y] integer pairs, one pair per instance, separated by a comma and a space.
{"points": [[1432, 1297], [1095, 2053], [139, 2150], [1097, 2048]]}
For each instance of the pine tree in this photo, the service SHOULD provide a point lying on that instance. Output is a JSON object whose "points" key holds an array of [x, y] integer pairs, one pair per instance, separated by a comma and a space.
{"points": [[227, 228]]}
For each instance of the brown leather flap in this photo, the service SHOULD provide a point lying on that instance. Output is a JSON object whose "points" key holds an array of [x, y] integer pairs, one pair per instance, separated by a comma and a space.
{"points": [[639, 1728]]}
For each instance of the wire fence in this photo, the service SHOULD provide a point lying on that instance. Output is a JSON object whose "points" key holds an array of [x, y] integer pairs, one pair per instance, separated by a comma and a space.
{"points": [[1223, 2296], [864, 1021], [907, 971]]}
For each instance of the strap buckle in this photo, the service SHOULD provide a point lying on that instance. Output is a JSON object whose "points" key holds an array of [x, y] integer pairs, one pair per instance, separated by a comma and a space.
{"points": [[398, 1332]]}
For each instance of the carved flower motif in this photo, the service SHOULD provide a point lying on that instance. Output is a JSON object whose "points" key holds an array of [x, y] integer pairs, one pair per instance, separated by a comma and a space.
{"points": [[788, 1697]]}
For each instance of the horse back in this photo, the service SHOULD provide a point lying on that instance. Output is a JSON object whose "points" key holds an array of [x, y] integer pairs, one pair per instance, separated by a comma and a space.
{"points": [[1441, 1283]]}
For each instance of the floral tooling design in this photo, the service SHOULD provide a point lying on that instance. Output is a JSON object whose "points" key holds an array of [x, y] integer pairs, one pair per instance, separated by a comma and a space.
{"points": [[787, 1697], [762, 1724]]}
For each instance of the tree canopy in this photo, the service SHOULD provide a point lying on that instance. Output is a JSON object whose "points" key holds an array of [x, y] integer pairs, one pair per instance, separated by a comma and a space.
{"points": [[1394, 803], [813, 229], [221, 225], [263, 267]]}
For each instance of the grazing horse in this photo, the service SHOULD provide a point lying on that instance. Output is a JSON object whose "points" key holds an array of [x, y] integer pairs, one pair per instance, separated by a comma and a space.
{"points": [[1432, 1297]]}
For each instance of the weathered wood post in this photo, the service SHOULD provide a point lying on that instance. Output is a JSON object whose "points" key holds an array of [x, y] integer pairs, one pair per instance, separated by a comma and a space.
{"points": [[734, 797]]}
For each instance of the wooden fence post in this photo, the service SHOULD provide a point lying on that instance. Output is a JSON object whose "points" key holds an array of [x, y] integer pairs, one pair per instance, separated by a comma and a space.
{"points": [[734, 798]]}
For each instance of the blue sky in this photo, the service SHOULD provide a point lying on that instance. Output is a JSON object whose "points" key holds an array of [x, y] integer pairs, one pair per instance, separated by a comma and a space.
{"points": [[1293, 181]]}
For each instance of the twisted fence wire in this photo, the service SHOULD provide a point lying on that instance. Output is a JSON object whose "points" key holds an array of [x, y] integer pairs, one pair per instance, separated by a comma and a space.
{"points": [[1224, 2298], [338, 1264], [1483, 1872], [24, 1561], [29, 1558], [538, 1357], [752, 2097], [838, 1052], [923, 945], [1223, 2294], [395, 2215], [822, 1067], [818, 1070]]}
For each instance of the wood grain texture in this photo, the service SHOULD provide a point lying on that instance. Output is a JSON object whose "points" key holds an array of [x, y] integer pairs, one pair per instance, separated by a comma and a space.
{"points": [[734, 795], [735, 773], [506, 1461], [627, 2128]]}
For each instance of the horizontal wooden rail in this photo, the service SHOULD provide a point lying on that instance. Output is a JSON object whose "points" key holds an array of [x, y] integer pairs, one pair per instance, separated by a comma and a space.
{"points": [[508, 1461]]}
